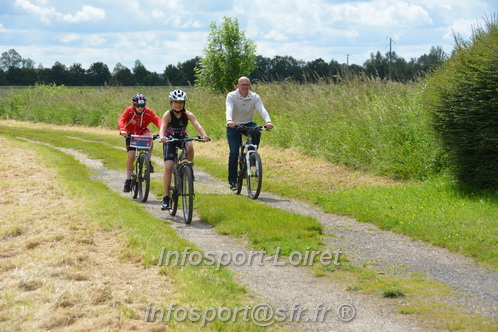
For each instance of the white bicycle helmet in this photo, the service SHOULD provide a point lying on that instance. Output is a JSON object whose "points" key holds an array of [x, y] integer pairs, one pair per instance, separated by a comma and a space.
{"points": [[177, 95]]}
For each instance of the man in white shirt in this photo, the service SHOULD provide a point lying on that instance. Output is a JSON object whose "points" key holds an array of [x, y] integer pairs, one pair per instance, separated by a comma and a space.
{"points": [[240, 106]]}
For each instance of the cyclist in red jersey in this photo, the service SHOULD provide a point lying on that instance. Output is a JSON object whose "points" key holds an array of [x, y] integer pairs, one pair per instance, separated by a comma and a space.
{"points": [[134, 121]]}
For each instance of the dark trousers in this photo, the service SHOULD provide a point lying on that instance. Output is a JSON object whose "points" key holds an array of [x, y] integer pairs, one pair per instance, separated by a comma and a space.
{"points": [[234, 140]]}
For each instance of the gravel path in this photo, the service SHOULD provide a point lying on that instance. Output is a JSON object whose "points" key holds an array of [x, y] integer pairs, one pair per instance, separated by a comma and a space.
{"points": [[288, 286]]}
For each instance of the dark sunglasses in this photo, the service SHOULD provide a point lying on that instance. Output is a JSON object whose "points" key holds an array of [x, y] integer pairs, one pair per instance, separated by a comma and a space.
{"points": [[140, 105]]}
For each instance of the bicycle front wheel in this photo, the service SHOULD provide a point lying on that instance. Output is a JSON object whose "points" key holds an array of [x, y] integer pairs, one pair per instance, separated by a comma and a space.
{"points": [[254, 175], [143, 177], [174, 188], [240, 176], [187, 175], [134, 181]]}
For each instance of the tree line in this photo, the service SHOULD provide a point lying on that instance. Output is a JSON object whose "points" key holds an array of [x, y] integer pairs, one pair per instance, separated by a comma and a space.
{"points": [[18, 71]]}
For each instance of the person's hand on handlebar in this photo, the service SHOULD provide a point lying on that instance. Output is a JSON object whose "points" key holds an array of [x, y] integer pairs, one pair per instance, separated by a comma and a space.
{"points": [[123, 133], [206, 138], [269, 126], [165, 139], [231, 124]]}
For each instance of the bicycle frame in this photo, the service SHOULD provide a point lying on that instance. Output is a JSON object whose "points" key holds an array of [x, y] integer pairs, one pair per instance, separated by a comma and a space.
{"points": [[183, 180], [141, 167], [249, 159]]}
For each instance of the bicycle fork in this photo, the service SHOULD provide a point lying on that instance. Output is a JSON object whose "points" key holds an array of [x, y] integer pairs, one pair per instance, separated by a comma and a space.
{"points": [[248, 157]]}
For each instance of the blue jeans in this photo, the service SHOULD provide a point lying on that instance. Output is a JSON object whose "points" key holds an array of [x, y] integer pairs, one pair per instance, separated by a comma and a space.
{"points": [[234, 137]]}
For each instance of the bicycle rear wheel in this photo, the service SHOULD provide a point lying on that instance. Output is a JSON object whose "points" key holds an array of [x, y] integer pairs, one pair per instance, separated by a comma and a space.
{"points": [[187, 175], [254, 175], [143, 177]]}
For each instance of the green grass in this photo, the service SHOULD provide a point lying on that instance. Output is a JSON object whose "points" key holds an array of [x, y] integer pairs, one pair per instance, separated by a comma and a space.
{"points": [[366, 124], [265, 228], [201, 286], [269, 229], [433, 211]]}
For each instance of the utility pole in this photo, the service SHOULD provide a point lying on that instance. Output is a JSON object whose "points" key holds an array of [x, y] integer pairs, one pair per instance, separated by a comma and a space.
{"points": [[347, 65], [390, 55]]}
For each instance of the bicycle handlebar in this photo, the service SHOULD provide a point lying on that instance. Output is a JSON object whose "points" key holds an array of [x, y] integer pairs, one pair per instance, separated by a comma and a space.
{"points": [[128, 134], [172, 139], [242, 127]]}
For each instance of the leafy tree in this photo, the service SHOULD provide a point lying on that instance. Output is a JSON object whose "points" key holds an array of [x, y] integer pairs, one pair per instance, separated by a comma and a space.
{"points": [[98, 74], [14, 76], [463, 96], [174, 76], [151, 79], [316, 70], [3, 79], [435, 58], [140, 72], [188, 68], [227, 56], [28, 64], [57, 74], [10, 59], [29, 76], [263, 69], [285, 67], [121, 75], [76, 75], [377, 65]]}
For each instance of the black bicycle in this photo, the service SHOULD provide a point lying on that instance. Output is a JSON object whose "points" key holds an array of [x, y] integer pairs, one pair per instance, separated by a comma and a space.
{"points": [[140, 175], [182, 180], [249, 166]]}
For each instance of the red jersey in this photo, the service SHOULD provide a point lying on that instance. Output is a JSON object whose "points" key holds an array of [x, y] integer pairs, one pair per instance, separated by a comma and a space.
{"points": [[135, 123]]}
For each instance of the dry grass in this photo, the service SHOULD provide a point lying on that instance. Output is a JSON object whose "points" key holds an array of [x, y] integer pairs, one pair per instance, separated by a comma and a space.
{"points": [[58, 270], [282, 165], [38, 125], [291, 166]]}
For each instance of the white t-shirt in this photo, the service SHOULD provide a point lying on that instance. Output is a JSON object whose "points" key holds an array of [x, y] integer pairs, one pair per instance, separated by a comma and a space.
{"points": [[240, 109]]}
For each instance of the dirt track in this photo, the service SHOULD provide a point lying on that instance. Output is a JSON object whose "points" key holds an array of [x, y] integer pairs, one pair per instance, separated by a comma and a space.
{"points": [[285, 286]]}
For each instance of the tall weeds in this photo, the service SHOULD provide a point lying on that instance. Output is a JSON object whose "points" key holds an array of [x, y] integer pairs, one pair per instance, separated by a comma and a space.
{"points": [[367, 124]]}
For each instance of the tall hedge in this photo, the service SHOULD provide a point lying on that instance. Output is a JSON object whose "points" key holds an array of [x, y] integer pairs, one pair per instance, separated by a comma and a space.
{"points": [[463, 98]]}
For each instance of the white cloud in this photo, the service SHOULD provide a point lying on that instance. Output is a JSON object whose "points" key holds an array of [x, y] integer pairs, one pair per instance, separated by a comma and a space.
{"points": [[157, 14], [460, 27], [43, 12], [162, 32], [182, 23], [275, 35], [384, 14], [70, 37], [283, 20], [95, 40], [87, 13]]}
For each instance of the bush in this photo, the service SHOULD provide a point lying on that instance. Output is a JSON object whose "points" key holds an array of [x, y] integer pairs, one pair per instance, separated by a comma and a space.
{"points": [[463, 98]]}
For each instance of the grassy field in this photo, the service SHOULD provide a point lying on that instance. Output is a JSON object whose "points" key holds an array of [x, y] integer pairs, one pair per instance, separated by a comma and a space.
{"points": [[365, 124], [373, 137], [145, 236], [49, 234]]}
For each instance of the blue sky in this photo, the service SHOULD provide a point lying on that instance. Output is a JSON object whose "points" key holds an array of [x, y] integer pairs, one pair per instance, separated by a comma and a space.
{"points": [[163, 32]]}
